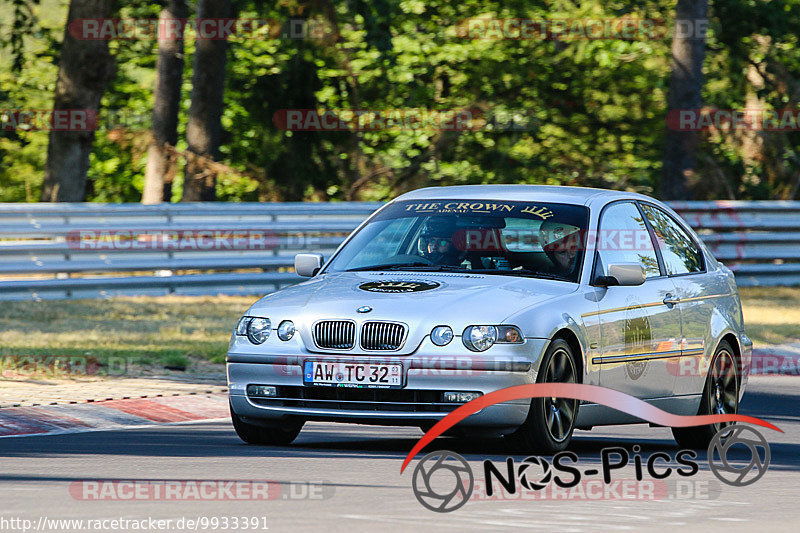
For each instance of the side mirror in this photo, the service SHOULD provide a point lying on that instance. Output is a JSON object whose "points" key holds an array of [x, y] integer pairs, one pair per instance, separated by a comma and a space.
{"points": [[307, 265], [623, 274]]}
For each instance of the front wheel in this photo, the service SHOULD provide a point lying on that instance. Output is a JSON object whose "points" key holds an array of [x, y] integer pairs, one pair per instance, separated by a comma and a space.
{"points": [[720, 397], [272, 435], [551, 421]]}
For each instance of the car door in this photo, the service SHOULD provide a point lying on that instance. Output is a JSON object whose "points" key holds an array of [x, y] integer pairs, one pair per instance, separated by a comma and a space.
{"points": [[640, 327], [696, 292]]}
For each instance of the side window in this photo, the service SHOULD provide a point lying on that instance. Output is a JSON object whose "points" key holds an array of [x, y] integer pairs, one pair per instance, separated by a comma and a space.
{"points": [[680, 253], [624, 238]]}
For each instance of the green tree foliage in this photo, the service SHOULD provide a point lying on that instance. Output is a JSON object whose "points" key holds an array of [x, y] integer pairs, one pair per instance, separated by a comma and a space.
{"points": [[590, 112], [27, 81]]}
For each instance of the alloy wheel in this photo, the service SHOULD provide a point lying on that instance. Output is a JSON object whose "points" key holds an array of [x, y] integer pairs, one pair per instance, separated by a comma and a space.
{"points": [[724, 394], [560, 412]]}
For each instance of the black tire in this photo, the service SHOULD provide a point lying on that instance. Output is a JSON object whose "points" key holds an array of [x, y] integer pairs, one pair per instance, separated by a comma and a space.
{"points": [[720, 396], [551, 421], [270, 435]]}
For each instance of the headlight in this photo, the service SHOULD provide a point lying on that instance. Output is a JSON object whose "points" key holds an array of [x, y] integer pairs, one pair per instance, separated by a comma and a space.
{"points": [[258, 330], [241, 326], [286, 330], [480, 338], [441, 335]]}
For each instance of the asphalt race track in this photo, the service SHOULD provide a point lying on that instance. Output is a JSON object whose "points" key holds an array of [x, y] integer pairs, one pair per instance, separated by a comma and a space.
{"points": [[341, 477]]}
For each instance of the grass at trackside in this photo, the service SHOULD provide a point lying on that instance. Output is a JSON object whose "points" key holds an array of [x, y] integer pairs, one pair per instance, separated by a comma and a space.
{"points": [[184, 330], [147, 331], [771, 314]]}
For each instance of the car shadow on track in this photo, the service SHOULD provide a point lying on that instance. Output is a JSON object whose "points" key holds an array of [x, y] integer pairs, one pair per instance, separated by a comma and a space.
{"points": [[320, 440]]}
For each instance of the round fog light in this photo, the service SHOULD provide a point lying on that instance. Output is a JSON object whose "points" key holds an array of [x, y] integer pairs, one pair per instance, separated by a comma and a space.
{"points": [[441, 335], [286, 330]]}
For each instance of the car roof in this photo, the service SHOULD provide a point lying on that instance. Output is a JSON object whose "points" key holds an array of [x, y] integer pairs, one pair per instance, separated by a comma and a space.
{"points": [[529, 193]]}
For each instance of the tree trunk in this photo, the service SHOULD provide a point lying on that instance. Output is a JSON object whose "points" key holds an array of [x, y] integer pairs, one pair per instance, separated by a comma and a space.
{"points": [[166, 104], [685, 86], [85, 69], [204, 129]]}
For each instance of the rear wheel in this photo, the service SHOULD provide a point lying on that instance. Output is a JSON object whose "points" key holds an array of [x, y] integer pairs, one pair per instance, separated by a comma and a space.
{"points": [[720, 397], [274, 435], [551, 421]]}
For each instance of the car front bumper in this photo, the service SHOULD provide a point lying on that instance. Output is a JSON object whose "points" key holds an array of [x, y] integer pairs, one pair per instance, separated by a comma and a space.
{"points": [[418, 403]]}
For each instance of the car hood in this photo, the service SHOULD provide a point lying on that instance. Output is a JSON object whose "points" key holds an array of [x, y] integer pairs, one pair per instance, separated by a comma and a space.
{"points": [[453, 299]]}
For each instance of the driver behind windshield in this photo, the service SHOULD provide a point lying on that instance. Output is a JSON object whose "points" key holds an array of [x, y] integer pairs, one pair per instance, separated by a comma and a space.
{"points": [[560, 243], [436, 244]]}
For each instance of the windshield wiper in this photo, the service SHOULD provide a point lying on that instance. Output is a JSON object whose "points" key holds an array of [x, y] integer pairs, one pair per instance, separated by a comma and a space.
{"points": [[418, 266], [435, 268], [389, 266], [524, 272]]}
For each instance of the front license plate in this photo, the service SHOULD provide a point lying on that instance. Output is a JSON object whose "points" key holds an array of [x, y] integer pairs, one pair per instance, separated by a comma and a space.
{"points": [[372, 376]]}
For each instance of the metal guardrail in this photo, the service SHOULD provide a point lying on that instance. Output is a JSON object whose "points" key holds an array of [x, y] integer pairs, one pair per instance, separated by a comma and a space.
{"points": [[758, 240], [53, 251]]}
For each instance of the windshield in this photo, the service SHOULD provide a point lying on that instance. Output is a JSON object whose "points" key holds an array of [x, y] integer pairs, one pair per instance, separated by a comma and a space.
{"points": [[491, 237]]}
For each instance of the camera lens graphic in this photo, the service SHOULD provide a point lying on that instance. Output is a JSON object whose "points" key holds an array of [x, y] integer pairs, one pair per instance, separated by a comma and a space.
{"points": [[720, 456], [534, 473], [443, 481]]}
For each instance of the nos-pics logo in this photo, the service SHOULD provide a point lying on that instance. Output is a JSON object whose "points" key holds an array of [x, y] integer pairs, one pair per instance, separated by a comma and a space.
{"points": [[443, 480]]}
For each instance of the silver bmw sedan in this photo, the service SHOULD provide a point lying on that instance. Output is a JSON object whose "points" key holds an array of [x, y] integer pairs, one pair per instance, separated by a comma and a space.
{"points": [[446, 294]]}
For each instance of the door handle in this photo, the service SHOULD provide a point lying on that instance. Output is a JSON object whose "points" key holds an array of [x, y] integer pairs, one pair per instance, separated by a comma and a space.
{"points": [[670, 300]]}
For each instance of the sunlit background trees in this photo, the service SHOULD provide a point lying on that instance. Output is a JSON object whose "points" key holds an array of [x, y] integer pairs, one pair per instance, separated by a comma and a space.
{"points": [[194, 120]]}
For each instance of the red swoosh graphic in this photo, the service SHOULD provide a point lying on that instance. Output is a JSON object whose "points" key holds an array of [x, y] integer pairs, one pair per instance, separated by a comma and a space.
{"points": [[589, 393]]}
